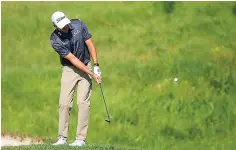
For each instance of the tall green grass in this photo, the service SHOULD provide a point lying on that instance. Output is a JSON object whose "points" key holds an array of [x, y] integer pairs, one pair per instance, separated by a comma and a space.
{"points": [[142, 47]]}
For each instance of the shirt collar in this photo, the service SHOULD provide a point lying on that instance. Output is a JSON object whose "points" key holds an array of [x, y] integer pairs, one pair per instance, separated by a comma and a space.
{"points": [[70, 26]]}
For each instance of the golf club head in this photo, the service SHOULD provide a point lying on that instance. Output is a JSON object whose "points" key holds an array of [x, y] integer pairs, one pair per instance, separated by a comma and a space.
{"points": [[108, 121]]}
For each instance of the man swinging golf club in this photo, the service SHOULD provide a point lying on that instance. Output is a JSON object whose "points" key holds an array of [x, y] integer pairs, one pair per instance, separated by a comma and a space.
{"points": [[72, 41]]}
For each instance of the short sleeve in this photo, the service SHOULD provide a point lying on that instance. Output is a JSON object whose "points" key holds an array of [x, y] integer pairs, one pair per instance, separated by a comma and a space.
{"points": [[86, 34], [59, 48]]}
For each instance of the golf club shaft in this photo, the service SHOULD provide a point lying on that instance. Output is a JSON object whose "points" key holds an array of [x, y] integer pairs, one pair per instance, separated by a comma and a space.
{"points": [[104, 101]]}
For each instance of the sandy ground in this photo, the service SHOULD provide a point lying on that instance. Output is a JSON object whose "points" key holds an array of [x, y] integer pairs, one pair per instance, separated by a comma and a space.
{"points": [[7, 140]]}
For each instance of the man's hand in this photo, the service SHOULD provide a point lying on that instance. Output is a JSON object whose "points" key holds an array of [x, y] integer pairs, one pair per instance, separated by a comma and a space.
{"points": [[97, 71], [97, 78]]}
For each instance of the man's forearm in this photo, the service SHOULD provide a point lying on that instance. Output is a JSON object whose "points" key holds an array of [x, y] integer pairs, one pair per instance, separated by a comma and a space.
{"points": [[92, 50], [78, 64], [93, 55]]}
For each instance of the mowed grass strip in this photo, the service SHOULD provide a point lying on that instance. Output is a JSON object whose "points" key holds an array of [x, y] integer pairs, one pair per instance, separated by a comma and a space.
{"points": [[50, 147]]}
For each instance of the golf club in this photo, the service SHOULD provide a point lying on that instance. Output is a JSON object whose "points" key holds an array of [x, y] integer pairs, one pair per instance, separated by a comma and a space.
{"points": [[107, 120]]}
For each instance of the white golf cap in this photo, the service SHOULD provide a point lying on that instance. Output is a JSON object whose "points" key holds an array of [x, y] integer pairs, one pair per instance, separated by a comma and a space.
{"points": [[60, 19]]}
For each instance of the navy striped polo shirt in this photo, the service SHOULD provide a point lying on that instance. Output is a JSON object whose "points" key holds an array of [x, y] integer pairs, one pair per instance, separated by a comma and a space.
{"points": [[72, 42]]}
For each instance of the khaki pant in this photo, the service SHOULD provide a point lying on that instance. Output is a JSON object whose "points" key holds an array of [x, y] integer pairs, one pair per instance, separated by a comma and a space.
{"points": [[72, 78]]}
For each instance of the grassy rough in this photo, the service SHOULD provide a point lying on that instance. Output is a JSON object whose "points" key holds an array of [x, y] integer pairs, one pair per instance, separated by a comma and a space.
{"points": [[141, 46]]}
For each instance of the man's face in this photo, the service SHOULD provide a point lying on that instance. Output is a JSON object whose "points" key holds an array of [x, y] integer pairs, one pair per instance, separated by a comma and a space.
{"points": [[64, 29]]}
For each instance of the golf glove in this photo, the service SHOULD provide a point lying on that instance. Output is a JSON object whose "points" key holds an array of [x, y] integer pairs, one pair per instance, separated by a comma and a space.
{"points": [[97, 71]]}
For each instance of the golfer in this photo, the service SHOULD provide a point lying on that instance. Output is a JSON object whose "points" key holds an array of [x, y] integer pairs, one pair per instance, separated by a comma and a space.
{"points": [[71, 39]]}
